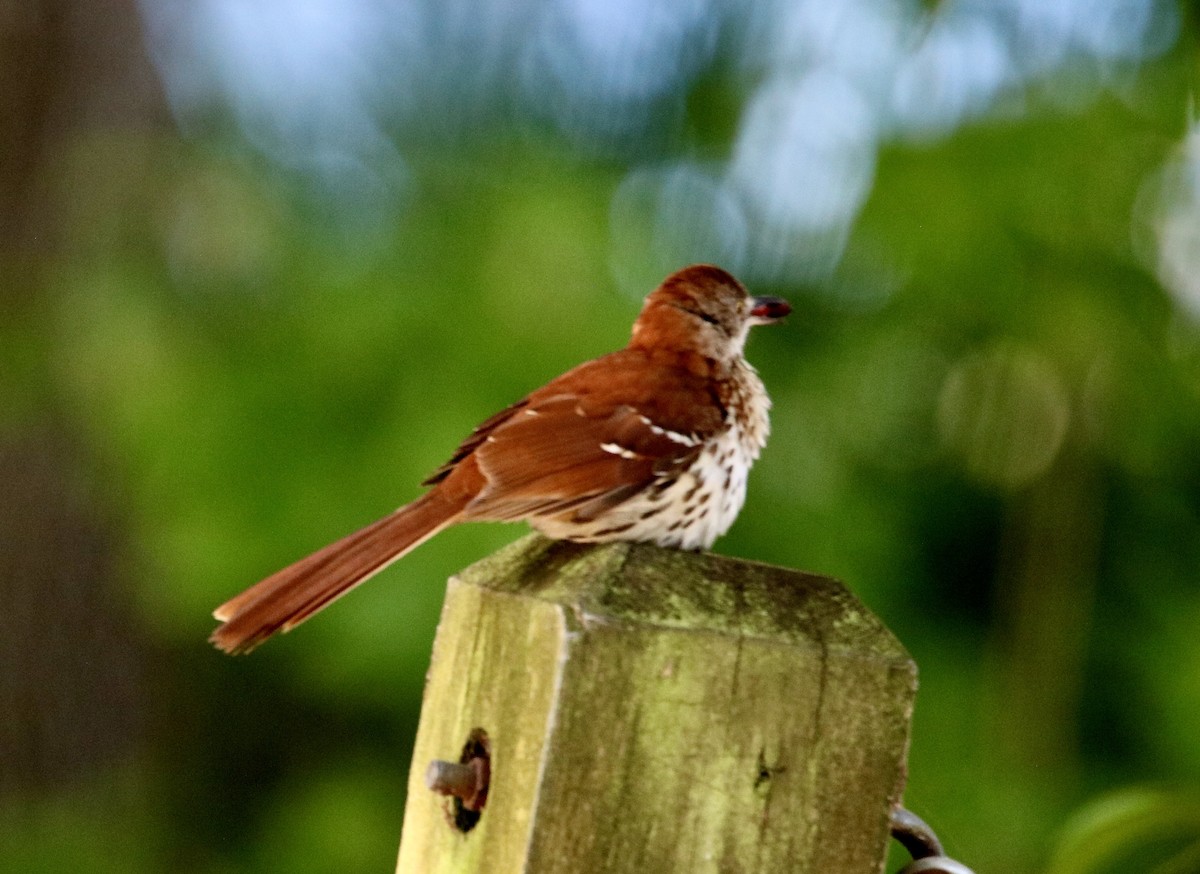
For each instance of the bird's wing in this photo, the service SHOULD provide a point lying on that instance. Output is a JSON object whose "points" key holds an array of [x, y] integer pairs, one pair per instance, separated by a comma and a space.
{"points": [[478, 436], [593, 438]]}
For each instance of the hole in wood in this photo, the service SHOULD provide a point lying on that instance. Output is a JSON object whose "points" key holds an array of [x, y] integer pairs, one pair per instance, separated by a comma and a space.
{"points": [[465, 781]]}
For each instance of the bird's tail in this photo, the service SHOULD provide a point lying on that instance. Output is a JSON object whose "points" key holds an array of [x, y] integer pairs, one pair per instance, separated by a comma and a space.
{"points": [[288, 597]]}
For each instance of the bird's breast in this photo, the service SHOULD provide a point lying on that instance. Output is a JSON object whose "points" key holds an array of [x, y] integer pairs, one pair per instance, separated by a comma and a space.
{"points": [[688, 507]]}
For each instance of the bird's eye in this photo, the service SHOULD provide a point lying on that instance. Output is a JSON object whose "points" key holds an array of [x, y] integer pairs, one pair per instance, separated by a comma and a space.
{"points": [[712, 320]]}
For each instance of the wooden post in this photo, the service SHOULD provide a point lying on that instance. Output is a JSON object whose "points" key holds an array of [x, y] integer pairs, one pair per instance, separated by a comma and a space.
{"points": [[650, 710]]}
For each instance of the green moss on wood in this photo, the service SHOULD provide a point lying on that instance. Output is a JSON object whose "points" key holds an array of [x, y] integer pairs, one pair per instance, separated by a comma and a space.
{"points": [[697, 591], [653, 710]]}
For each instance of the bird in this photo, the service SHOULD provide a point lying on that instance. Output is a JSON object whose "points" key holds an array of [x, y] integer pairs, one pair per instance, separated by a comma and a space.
{"points": [[651, 443]]}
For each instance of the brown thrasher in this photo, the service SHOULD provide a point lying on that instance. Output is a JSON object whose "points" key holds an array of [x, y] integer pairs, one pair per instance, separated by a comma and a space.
{"points": [[651, 443]]}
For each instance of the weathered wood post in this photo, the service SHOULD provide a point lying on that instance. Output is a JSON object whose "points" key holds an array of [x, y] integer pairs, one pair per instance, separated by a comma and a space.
{"points": [[649, 710]]}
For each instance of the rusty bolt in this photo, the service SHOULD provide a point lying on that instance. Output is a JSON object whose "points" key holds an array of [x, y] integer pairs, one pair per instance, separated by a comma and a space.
{"points": [[466, 781]]}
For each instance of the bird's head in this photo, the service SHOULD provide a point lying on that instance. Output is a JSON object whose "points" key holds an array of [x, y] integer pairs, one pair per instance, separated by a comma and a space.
{"points": [[704, 309]]}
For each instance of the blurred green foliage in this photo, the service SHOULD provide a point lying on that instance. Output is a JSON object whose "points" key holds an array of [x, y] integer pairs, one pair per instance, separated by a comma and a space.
{"points": [[1140, 828], [986, 422]]}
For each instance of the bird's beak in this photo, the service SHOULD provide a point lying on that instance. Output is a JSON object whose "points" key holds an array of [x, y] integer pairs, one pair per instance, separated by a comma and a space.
{"points": [[766, 310]]}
